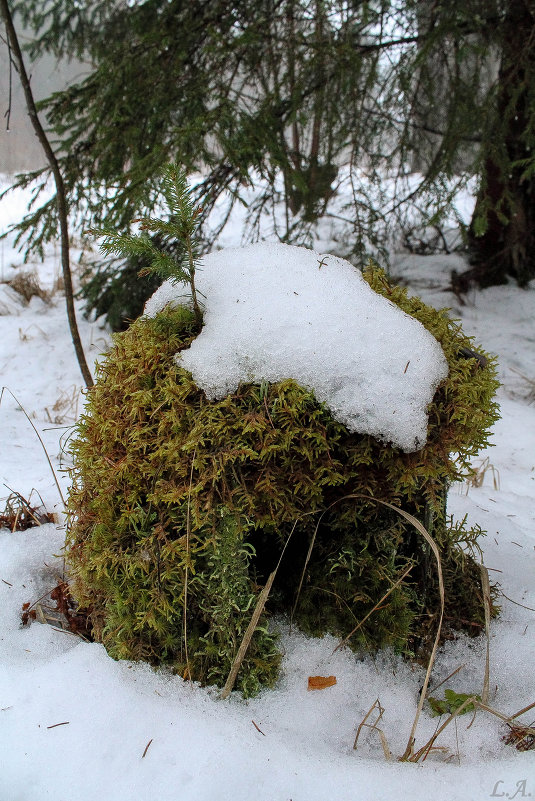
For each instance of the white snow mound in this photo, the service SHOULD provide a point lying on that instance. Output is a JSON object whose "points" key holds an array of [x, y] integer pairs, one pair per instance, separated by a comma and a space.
{"points": [[273, 312]]}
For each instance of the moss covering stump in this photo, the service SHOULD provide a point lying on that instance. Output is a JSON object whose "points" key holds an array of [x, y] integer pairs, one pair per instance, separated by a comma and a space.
{"points": [[181, 507]]}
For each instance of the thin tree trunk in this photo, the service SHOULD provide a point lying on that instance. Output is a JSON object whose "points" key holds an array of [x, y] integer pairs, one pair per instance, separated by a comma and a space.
{"points": [[61, 199], [506, 201]]}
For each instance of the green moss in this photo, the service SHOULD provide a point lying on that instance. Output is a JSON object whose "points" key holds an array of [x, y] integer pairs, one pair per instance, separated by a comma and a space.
{"points": [[180, 502]]}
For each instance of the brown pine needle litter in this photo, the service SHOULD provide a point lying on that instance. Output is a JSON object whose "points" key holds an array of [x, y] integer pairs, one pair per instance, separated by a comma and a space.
{"points": [[258, 728], [146, 748], [19, 514]]}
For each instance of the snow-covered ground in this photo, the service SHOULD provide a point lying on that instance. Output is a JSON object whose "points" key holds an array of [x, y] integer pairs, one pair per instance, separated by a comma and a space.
{"points": [[74, 724]]}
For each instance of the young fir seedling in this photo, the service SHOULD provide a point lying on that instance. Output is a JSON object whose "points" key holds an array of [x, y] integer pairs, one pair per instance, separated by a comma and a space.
{"points": [[182, 225]]}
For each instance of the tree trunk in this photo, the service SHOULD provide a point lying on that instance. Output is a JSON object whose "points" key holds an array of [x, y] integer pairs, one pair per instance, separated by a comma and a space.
{"points": [[61, 199], [502, 231]]}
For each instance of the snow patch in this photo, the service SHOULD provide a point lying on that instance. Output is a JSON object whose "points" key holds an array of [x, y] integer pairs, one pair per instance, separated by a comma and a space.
{"points": [[202, 748], [10, 301], [274, 312]]}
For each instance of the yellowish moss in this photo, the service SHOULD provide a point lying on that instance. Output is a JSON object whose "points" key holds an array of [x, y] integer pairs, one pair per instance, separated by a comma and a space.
{"points": [[178, 501]]}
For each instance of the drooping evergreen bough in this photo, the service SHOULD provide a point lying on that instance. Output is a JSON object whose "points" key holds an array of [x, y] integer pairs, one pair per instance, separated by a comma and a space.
{"points": [[294, 106]]}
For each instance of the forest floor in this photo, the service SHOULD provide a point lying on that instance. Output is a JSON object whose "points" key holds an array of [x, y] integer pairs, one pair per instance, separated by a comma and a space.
{"points": [[75, 724]]}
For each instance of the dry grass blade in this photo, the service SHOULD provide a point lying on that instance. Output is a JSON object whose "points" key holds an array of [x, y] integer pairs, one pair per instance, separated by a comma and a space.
{"points": [[247, 637], [65, 408], [377, 605], [186, 571], [432, 544], [530, 383], [408, 754], [303, 573], [6, 389], [487, 708], [485, 584], [26, 284], [521, 736], [517, 603], [19, 515], [448, 677], [386, 750], [425, 749], [376, 705], [477, 478], [521, 712]]}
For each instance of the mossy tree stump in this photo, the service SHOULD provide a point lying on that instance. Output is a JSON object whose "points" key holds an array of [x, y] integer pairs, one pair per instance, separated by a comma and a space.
{"points": [[181, 506]]}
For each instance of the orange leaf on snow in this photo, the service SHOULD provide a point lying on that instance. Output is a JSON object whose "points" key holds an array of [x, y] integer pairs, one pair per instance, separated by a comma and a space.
{"points": [[321, 682]]}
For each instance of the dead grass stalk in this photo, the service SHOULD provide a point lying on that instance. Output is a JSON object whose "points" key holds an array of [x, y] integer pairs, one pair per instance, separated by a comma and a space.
{"points": [[6, 389]]}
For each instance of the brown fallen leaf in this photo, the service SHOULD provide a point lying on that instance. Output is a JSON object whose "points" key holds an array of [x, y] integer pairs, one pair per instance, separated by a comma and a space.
{"points": [[321, 682]]}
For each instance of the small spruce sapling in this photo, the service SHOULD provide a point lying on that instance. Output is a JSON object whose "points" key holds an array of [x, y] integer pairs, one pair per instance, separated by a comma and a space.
{"points": [[182, 225]]}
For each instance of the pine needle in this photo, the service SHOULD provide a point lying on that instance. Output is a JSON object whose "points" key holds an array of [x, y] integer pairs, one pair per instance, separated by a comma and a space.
{"points": [[146, 749]]}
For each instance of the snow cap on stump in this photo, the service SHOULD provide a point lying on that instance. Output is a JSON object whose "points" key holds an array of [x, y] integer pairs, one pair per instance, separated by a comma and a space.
{"points": [[274, 311]]}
